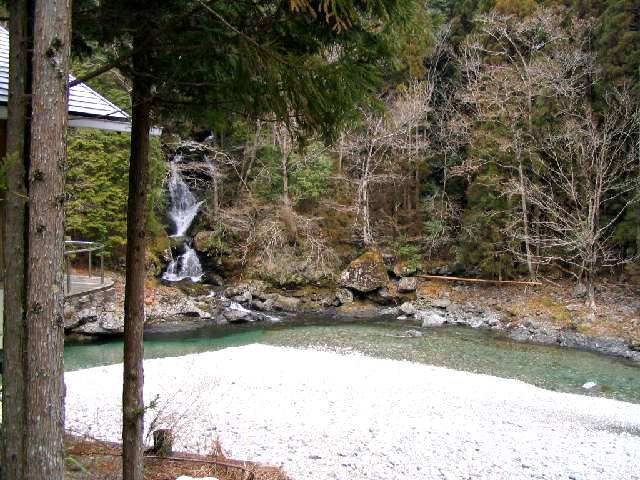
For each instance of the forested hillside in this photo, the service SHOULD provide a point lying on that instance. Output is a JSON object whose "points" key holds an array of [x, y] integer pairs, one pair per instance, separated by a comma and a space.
{"points": [[504, 143]]}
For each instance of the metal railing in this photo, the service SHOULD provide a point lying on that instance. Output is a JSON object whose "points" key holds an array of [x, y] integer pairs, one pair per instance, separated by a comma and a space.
{"points": [[73, 247]]}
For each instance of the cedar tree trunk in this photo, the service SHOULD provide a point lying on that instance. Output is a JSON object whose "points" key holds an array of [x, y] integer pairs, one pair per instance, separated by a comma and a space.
{"points": [[15, 241], [132, 393], [44, 385]]}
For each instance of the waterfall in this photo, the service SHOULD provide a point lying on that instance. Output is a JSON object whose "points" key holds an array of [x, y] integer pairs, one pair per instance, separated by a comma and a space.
{"points": [[186, 265], [183, 208]]}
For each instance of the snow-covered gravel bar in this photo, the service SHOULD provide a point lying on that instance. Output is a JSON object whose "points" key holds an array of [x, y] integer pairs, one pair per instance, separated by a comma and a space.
{"points": [[323, 415]]}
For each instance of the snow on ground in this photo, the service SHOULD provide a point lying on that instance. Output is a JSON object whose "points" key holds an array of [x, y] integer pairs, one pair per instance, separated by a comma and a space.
{"points": [[322, 415]]}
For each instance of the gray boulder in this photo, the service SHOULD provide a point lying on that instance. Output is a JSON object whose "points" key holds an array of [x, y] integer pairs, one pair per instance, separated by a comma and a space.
{"points": [[102, 324], [408, 308], [441, 303], [407, 284], [386, 295], [286, 304], [366, 273], [430, 319], [245, 297], [344, 296], [237, 314]]}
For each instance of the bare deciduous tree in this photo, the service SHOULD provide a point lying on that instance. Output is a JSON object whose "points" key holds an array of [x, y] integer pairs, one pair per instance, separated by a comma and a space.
{"points": [[584, 182], [510, 64], [382, 140]]}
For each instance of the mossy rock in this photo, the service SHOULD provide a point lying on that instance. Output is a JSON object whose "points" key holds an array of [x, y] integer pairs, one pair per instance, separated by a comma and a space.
{"points": [[209, 242], [177, 242], [159, 244], [366, 273], [288, 270]]}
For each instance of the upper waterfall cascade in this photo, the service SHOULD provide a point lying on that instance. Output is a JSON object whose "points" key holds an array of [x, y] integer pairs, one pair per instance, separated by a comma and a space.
{"points": [[183, 209], [183, 204]]}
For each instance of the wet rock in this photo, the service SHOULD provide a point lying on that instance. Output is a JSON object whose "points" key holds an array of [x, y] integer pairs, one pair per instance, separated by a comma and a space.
{"points": [[386, 295], [211, 278], [590, 386], [234, 315], [102, 324], [245, 297], [430, 319], [286, 304], [178, 243], [407, 284], [93, 314], [408, 308], [441, 303], [366, 273], [266, 306], [344, 296], [391, 311]]}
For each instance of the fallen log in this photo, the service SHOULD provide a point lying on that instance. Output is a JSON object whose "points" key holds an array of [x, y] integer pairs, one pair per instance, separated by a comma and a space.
{"points": [[477, 280], [249, 473]]}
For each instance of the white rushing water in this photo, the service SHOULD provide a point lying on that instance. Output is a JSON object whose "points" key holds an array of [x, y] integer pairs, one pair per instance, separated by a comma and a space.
{"points": [[186, 265], [184, 206], [182, 211]]}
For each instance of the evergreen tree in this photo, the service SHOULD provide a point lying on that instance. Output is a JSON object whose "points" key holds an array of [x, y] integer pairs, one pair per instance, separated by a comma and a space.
{"points": [[618, 43], [303, 62]]}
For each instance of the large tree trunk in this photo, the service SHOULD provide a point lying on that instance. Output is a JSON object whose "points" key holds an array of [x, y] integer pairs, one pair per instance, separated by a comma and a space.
{"points": [[132, 393], [44, 385], [15, 244]]}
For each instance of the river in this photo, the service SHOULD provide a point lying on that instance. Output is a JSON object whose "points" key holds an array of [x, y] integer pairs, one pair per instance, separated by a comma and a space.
{"points": [[461, 348]]}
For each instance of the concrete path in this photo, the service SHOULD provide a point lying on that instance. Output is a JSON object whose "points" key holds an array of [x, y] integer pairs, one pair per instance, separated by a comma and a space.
{"points": [[82, 284]]}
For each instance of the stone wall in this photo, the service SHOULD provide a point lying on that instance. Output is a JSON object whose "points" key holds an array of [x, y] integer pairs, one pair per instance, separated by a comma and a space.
{"points": [[93, 313]]}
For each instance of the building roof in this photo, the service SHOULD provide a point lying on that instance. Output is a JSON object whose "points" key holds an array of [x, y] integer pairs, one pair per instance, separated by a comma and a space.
{"points": [[87, 108]]}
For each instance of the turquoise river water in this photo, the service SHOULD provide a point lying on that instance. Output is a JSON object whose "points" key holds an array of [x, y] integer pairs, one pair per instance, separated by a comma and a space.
{"points": [[461, 348]]}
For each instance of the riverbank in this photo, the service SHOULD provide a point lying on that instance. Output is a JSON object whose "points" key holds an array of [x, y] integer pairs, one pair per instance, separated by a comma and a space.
{"points": [[548, 314], [321, 415]]}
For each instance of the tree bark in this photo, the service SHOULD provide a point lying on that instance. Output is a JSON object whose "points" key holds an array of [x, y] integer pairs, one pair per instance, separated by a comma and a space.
{"points": [[132, 393], [44, 385], [15, 242]]}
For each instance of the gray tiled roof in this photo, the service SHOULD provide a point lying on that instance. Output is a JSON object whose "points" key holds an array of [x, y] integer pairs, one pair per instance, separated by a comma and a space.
{"points": [[83, 101]]}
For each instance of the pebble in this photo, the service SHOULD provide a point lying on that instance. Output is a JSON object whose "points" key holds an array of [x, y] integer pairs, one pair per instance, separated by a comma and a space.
{"points": [[448, 423]]}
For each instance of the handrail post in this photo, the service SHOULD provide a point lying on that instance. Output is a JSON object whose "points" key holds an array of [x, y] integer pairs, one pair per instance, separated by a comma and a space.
{"points": [[89, 264], [102, 267]]}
